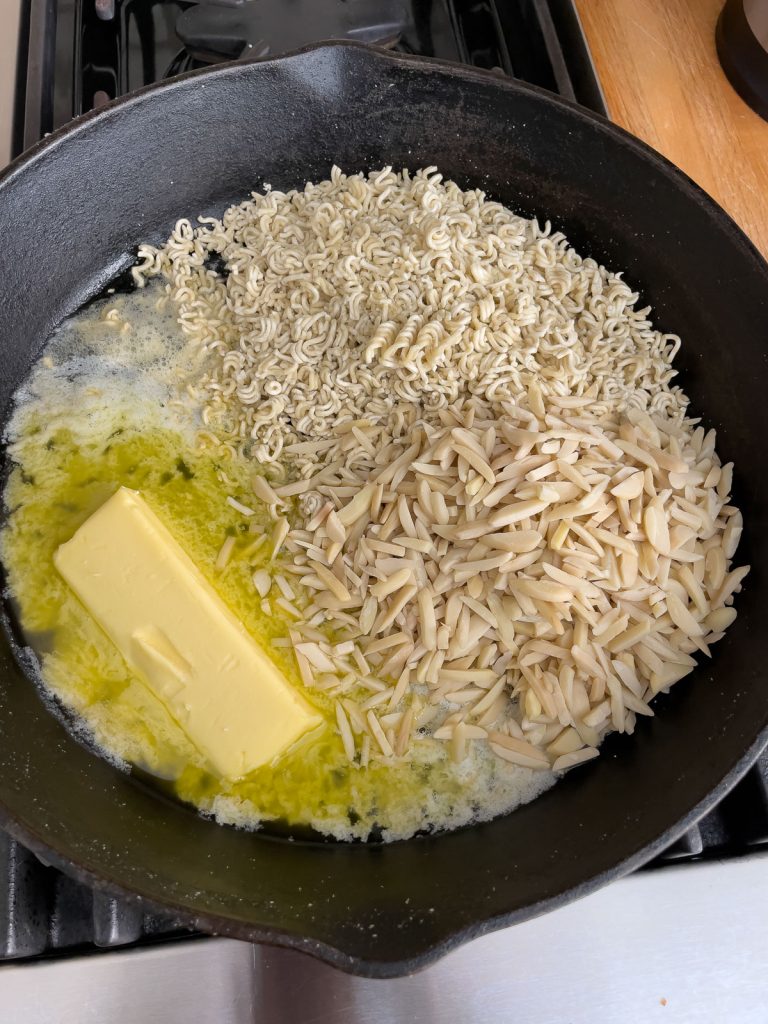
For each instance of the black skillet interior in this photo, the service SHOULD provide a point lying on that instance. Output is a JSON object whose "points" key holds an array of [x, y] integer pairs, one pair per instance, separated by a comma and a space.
{"points": [[71, 215]]}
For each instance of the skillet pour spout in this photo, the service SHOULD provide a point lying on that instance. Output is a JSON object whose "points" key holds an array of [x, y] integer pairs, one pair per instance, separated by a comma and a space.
{"points": [[72, 212]]}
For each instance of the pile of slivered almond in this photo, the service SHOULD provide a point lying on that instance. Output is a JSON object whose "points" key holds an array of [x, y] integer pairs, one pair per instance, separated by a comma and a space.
{"points": [[528, 579]]}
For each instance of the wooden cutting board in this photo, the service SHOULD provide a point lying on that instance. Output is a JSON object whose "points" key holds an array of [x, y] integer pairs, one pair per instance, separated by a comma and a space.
{"points": [[657, 64]]}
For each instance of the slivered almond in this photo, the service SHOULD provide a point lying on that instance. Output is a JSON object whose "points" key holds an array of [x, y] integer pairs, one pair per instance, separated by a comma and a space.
{"points": [[719, 620], [392, 583], [519, 541], [225, 553], [669, 675], [566, 743], [345, 732], [542, 590], [569, 580], [262, 581], [479, 676], [465, 569], [515, 512], [334, 528], [730, 585], [629, 637], [238, 506], [681, 617], [279, 533], [587, 662], [655, 526], [567, 761], [613, 540], [378, 734], [397, 603], [630, 487], [331, 582], [466, 531], [628, 565], [637, 453], [264, 490], [518, 751], [317, 658], [357, 507], [477, 462], [428, 620], [404, 733]]}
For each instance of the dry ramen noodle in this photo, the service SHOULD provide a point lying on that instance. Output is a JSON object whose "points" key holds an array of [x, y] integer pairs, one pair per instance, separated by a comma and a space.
{"points": [[444, 475]]}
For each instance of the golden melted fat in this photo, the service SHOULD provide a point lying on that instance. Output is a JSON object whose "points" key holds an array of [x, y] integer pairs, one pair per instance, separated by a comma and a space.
{"points": [[100, 410]]}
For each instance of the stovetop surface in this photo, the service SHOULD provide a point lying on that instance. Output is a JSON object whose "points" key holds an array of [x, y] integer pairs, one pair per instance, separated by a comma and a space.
{"points": [[76, 55]]}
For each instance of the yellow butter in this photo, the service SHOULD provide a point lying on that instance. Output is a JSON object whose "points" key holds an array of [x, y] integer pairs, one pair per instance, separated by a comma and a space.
{"points": [[178, 635]]}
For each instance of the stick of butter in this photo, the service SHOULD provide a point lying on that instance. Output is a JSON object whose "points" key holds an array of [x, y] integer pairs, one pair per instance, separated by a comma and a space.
{"points": [[178, 635]]}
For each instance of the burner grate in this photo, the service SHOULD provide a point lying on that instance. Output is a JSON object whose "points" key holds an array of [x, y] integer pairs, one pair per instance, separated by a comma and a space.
{"points": [[83, 53], [43, 911], [738, 825]]}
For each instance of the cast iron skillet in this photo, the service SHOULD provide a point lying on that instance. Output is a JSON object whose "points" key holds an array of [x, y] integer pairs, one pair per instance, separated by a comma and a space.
{"points": [[71, 214]]}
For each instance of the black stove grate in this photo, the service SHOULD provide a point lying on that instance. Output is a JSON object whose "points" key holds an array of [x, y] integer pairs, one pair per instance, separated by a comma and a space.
{"points": [[78, 54], [738, 825], [43, 911]]}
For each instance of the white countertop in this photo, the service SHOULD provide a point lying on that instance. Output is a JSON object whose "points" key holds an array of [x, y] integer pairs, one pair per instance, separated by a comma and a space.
{"points": [[678, 945]]}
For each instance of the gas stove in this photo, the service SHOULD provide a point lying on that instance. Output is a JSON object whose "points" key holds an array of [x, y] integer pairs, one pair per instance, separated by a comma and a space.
{"points": [[74, 56]]}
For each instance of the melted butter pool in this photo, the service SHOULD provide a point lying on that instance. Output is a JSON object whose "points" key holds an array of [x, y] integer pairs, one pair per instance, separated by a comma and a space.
{"points": [[98, 413]]}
